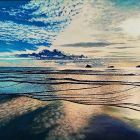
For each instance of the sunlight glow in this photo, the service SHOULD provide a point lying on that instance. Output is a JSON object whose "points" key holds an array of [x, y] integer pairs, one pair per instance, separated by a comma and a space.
{"points": [[132, 27]]}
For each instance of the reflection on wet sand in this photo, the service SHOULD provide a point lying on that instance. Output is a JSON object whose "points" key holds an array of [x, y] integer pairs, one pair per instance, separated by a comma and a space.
{"points": [[64, 120], [77, 106], [18, 106]]}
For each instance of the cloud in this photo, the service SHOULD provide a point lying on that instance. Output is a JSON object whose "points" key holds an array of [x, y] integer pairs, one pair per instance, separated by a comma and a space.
{"points": [[90, 44], [71, 24], [131, 26], [10, 31], [100, 21], [97, 20], [35, 23]]}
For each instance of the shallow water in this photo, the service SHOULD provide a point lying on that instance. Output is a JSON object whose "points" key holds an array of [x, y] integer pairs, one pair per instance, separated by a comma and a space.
{"points": [[45, 103]]}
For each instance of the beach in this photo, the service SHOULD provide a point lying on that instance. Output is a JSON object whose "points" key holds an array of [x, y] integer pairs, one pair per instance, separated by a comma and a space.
{"points": [[69, 103]]}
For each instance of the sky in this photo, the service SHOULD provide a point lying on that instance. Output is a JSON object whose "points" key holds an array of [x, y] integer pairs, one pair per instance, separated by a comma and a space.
{"points": [[27, 26]]}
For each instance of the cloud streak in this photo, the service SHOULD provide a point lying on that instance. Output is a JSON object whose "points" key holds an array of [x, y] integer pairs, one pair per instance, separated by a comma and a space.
{"points": [[90, 44]]}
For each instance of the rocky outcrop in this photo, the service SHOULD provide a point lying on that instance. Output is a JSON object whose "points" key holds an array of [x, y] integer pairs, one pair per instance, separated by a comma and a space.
{"points": [[88, 66]]}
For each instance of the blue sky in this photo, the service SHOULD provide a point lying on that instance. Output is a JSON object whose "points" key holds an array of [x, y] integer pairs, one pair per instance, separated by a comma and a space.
{"points": [[28, 24], [31, 25]]}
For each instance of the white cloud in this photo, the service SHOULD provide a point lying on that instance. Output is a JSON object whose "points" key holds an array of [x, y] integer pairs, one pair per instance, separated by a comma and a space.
{"points": [[131, 26], [101, 21], [98, 20], [41, 25], [88, 21], [10, 31]]}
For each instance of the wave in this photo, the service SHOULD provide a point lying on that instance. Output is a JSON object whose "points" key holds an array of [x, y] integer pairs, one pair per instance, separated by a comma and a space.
{"points": [[88, 92]]}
